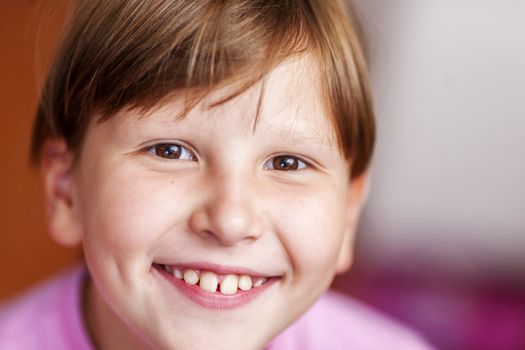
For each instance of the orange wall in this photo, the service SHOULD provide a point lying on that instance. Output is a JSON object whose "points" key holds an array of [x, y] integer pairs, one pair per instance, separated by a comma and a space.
{"points": [[28, 31]]}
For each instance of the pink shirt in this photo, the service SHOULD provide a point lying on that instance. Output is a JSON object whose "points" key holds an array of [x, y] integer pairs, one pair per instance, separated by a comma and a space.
{"points": [[50, 317]]}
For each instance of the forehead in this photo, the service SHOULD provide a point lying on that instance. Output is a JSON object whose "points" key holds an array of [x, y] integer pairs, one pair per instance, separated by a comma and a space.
{"points": [[288, 101]]}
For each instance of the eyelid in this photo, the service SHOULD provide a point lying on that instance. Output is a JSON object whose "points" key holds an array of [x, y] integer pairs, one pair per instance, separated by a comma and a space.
{"points": [[308, 164], [150, 145]]}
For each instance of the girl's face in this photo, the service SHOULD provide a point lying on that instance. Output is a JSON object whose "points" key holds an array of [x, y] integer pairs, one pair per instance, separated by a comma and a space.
{"points": [[172, 212]]}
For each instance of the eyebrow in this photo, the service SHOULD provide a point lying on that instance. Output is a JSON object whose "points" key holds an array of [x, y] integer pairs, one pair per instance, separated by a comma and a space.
{"points": [[296, 136], [297, 132]]}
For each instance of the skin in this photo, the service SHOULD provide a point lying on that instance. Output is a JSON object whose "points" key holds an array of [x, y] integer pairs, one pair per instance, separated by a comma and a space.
{"points": [[225, 204]]}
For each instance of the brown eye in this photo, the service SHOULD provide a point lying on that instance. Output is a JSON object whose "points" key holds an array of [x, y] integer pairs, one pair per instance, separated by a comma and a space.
{"points": [[171, 151], [285, 163]]}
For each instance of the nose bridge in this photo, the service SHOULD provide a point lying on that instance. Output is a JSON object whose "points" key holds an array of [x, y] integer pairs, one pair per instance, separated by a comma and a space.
{"points": [[229, 214]]}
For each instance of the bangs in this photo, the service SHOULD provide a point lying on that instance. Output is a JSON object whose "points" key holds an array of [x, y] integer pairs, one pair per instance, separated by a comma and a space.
{"points": [[206, 48]]}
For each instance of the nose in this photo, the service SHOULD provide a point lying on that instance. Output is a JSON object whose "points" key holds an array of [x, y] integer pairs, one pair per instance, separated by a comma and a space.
{"points": [[229, 213]]}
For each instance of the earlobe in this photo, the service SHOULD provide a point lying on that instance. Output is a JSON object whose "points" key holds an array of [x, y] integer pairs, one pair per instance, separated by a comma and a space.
{"points": [[56, 169], [356, 197]]}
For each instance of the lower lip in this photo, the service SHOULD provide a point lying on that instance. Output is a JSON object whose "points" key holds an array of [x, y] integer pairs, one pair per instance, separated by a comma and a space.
{"points": [[216, 301]]}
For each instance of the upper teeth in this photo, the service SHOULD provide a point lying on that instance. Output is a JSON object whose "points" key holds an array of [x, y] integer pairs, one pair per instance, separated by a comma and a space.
{"points": [[210, 281], [229, 284], [245, 282]]}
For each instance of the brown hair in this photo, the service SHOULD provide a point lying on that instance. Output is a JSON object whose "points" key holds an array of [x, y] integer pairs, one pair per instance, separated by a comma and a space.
{"points": [[134, 54]]}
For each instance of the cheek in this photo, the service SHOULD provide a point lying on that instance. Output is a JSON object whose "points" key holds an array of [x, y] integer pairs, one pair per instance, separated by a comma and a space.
{"points": [[314, 227], [124, 213]]}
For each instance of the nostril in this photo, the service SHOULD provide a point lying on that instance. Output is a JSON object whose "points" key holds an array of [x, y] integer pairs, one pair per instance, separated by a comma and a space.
{"points": [[208, 235]]}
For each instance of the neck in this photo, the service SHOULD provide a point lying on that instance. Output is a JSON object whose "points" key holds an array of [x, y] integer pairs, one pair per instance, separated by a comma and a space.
{"points": [[106, 329]]}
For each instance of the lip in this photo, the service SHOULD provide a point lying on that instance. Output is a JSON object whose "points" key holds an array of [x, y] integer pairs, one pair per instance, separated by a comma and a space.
{"points": [[215, 301], [222, 270]]}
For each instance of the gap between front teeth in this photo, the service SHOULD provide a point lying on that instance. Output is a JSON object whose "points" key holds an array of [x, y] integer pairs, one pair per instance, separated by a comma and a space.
{"points": [[211, 282]]}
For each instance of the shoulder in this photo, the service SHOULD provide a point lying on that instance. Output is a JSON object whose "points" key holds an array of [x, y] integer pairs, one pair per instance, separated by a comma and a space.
{"points": [[39, 318], [337, 321]]}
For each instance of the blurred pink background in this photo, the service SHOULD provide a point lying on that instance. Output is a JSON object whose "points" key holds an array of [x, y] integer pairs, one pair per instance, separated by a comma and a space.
{"points": [[442, 241]]}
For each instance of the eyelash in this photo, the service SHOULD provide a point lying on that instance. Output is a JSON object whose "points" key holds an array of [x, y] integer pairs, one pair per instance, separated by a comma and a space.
{"points": [[183, 153], [161, 150], [284, 159]]}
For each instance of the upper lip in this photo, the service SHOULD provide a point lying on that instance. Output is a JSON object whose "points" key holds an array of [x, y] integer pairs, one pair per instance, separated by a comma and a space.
{"points": [[220, 269]]}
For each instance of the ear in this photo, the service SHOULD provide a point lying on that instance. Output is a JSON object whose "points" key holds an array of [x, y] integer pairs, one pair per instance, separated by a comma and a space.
{"points": [[356, 196], [57, 169]]}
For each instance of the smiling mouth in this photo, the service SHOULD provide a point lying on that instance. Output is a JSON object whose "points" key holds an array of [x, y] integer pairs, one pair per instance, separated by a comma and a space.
{"points": [[215, 289]]}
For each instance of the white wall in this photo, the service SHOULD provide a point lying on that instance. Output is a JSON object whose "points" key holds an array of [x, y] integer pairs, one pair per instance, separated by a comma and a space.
{"points": [[449, 171]]}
